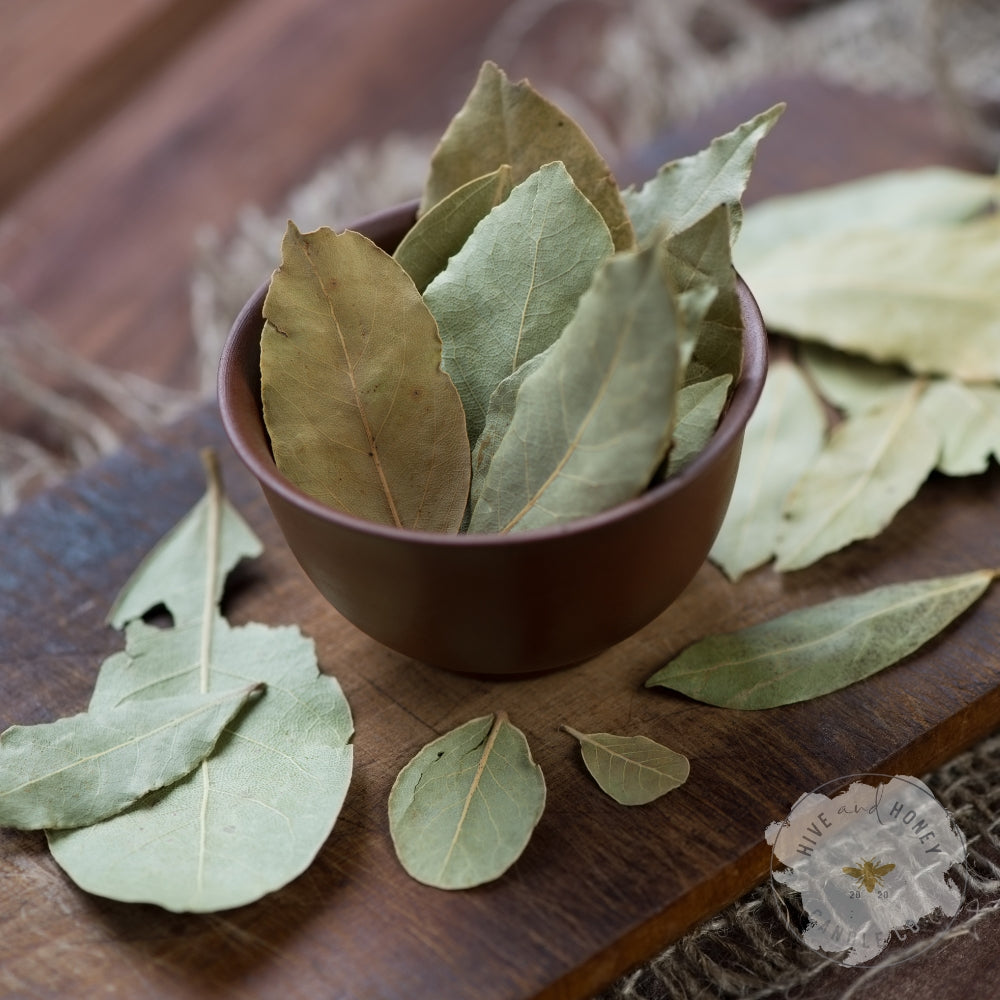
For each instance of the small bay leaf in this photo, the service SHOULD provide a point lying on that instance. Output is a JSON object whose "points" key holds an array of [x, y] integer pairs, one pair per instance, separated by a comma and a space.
{"points": [[894, 199], [514, 285], [887, 294], [359, 412], [440, 233], [815, 650], [685, 190], [699, 406], [253, 814], [633, 770], [463, 809], [851, 383], [782, 439], [592, 423], [503, 122], [83, 768], [873, 463]]}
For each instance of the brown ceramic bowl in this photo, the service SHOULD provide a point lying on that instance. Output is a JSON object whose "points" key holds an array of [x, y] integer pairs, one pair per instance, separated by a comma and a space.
{"points": [[498, 604]]}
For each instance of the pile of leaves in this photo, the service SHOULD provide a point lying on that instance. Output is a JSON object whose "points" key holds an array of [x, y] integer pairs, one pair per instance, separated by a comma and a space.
{"points": [[540, 347]]}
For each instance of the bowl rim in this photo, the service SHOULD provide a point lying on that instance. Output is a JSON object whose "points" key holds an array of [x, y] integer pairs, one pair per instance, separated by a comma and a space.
{"points": [[251, 449]]}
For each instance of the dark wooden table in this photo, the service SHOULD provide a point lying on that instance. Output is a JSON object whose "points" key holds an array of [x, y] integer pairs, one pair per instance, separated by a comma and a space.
{"points": [[117, 163]]}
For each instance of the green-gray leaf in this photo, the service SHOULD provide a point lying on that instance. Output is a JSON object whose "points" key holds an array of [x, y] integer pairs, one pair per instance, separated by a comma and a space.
{"points": [[514, 285], [463, 810], [253, 815], [700, 257], [359, 412], [873, 464], [439, 234], [699, 406], [813, 651], [633, 770], [504, 122], [84, 768], [968, 421], [685, 190], [593, 422], [888, 295], [895, 199], [851, 383], [782, 440]]}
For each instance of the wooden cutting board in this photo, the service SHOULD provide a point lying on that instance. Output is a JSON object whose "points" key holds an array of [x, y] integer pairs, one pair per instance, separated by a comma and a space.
{"points": [[600, 887]]}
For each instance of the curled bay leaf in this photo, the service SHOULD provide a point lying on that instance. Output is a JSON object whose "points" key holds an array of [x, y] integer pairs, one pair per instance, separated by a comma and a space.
{"points": [[442, 231], [83, 768], [503, 122], [592, 423], [685, 190], [888, 294], [254, 813], [359, 412], [633, 770], [514, 285], [463, 809], [872, 464], [815, 650], [782, 439]]}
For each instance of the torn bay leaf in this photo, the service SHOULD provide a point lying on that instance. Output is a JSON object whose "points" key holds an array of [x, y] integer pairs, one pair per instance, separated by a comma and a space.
{"points": [[463, 809], [685, 190], [873, 463], [888, 295], [510, 123], [592, 423], [633, 770], [514, 285], [815, 650], [253, 814], [782, 439], [83, 768], [359, 412], [440, 233]]}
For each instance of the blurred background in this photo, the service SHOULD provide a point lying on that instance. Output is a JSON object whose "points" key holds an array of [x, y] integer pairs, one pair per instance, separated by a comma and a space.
{"points": [[150, 148]]}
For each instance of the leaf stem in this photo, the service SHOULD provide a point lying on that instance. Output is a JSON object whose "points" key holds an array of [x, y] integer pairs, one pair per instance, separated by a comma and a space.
{"points": [[214, 516]]}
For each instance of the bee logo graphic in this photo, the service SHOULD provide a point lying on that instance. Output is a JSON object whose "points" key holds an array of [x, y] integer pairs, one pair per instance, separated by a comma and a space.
{"points": [[869, 874]]}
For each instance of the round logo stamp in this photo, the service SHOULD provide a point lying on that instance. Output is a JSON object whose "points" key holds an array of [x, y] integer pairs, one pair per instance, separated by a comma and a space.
{"points": [[871, 864]]}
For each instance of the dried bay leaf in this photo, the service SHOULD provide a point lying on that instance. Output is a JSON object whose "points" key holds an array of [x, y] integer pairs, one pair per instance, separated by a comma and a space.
{"points": [[442, 231], [700, 257], [463, 809], [851, 383], [815, 650], [254, 813], [888, 294], [503, 122], [967, 418], [514, 285], [592, 423], [359, 412], [699, 406], [685, 190], [633, 770], [782, 439], [873, 463], [895, 199], [81, 769]]}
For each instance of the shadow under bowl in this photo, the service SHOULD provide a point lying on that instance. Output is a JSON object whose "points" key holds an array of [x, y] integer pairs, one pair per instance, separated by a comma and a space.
{"points": [[498, 604]]}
